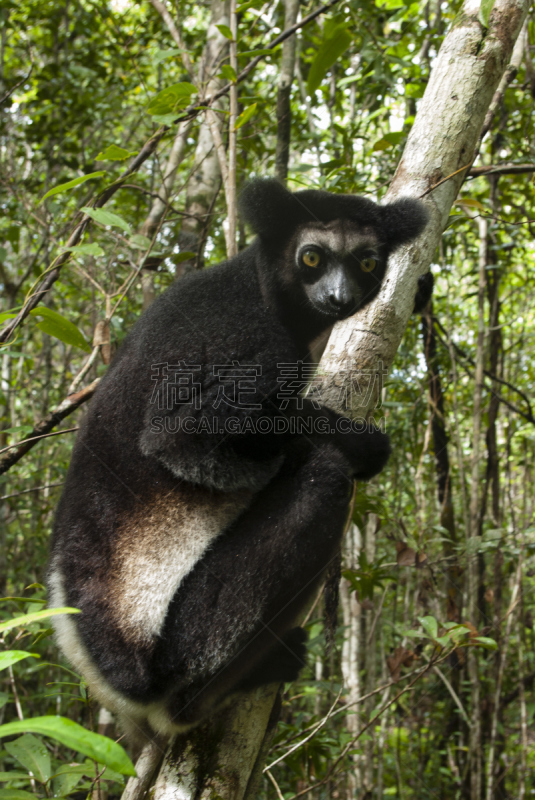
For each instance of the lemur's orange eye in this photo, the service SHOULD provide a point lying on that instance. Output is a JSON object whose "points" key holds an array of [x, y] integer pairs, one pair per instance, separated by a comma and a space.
{"points": [[368, 264], [311, 258]]}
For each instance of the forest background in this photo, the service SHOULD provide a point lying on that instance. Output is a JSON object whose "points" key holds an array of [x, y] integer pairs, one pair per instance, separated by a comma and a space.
{"points": [[427, 691]]}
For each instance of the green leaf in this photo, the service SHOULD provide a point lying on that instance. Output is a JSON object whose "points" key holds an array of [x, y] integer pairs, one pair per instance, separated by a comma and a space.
{"points": [[484, 641], [14, 775], [16, 794], [250, 4], [68, 776], [335, 43], [114, 153], [72, 735], [470, 203], [139, 242], [389, 140], [185, 255], [484, 12], [382, 144], [253, 53], [12, 656], [245, 116], [172, 99], [17, 429], [60, 327], [228, 72], [430, 626], [27, 619], [32, 754], [5, 316], [86, 250], [414, 90], [225, 31], [106, 218], [64, 187], [161, 55]]}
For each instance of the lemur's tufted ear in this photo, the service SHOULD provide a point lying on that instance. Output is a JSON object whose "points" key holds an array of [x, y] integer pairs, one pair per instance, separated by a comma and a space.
{"points": [[403, 220], [267, 206]]}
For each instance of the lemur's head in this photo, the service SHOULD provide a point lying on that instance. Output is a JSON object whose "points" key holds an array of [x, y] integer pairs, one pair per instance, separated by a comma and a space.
{"points": [[331, 249]]}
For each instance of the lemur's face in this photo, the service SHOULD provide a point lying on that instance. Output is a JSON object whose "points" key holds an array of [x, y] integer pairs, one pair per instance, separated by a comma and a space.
{"points": [[340, 265]]}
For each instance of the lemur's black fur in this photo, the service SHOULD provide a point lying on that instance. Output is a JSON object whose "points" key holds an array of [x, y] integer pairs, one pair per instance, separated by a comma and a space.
{"points": [[192, 555]]}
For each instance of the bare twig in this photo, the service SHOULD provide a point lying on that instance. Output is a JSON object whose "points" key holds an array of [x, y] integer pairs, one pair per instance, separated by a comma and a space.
{"points": [[66, 407], [34, 489], [16, 86], [161, 8]]}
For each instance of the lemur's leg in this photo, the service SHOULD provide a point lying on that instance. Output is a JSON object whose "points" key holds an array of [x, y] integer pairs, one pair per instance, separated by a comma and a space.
{"points": [[244, 596]]}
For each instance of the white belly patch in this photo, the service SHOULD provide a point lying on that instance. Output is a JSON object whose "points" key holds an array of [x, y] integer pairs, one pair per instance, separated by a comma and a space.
{"points": [[155, 551]]}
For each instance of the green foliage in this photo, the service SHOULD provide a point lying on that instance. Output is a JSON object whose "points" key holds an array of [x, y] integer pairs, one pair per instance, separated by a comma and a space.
{"points": [[336, 39], [61, 328], [485, 11], [72, 735], [11, 657], [245, 116], [364, 579], [35, 616], [64, 187], [107, 218], [114, 153], [172, 99]]}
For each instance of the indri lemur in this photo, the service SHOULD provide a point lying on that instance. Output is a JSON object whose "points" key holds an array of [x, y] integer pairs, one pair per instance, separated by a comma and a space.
{"points": [[191, 552]]}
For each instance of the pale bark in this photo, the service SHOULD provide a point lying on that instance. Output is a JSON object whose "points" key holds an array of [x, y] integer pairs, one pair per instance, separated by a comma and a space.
{"points": [[160, 204], [219, 758], [206, 174], [489, 794], [370, 666], [351, 612], [162, 9], [232, 206], [474, 743], [286, 76]]}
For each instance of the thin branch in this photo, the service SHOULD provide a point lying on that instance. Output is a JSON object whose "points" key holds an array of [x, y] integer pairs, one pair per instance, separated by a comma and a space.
{"points": [[299, 744], [275, 784], [16, 86], [35, 438], [34, 489], [66, 407], [501, 169], [161, 8], [162, 200], [528, 416]]}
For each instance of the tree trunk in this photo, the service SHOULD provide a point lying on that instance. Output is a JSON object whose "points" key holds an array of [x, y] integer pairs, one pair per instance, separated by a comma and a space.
{"points": [[351, 612], [474, 742], [205, 180], [160, 204], [284, 112]]}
